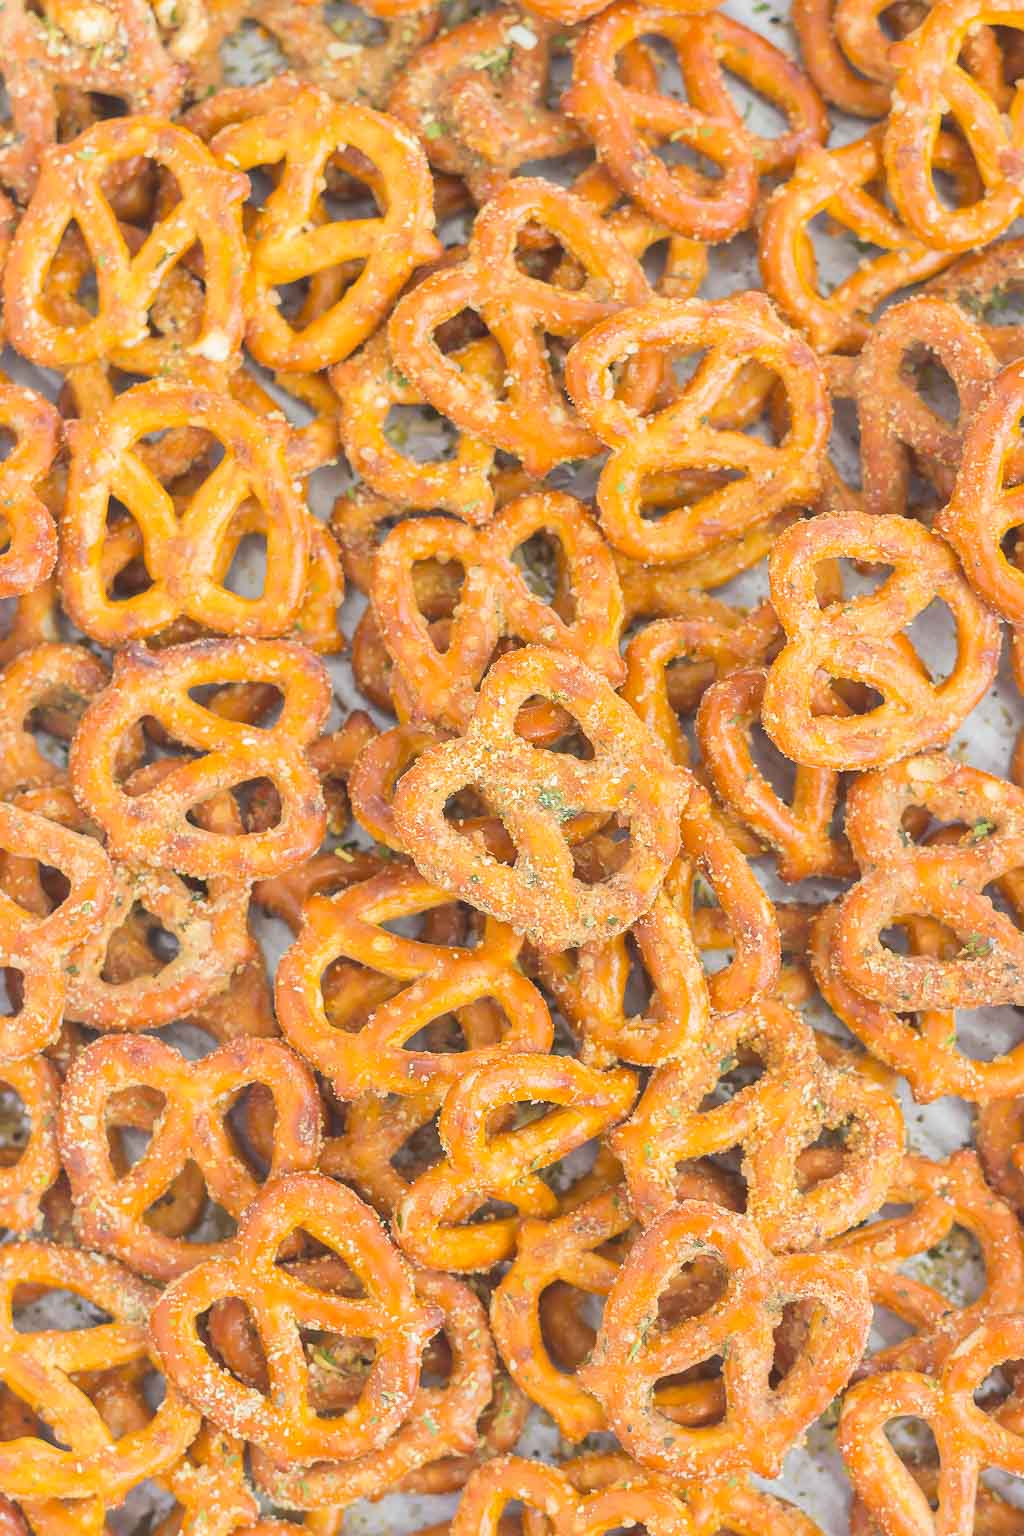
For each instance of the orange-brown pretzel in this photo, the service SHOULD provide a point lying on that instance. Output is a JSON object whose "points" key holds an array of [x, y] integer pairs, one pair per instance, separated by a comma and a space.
{"points": [[535, 792], [729, 332], [944, 881], [27, 1171], [433, 1223], [51, 684], [368, 1052], [635, 1349], [531, 419], [496, 601], [111, 1210], [292, 237], [154, 825], [45, 1368], [30, 540], [186, 552], [71, 190], [861, 639], [798, 1097], [283, 1421], [554, 1505]]}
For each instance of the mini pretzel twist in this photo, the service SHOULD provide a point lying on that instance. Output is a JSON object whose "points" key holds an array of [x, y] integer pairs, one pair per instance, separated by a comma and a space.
{"points": [[31, 542]]}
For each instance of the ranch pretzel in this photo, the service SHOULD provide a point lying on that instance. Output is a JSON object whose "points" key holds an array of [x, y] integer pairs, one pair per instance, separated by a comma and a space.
{"points": [[861, 639], [773, 1120], [730, 332], [635, 1349], [186, 553], [70, 189], [44, 1369], [52, 683], [31, 545], [842, 183], [535, 793], [154, 825], [495, 601], [532, 419], [292, 237], [946, 882], [111, 1210], [283, 1422], [548, 1492], [932, 84], [433, 1223]]}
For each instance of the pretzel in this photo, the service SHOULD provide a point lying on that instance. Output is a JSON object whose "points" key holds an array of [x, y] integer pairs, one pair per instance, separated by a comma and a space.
{"points": [[31, 544], [111, 1210], [444, 1421], [283, 1422], [433, 1222], [731, 332], [153, 825], [861, 639], [49, 683], [548, 1492], [984, 284], [532, 420], [945, 882], [634, 1351], [797, 1098], [931, 84], [800, 832], [827, 64], [535, 795], [841, 183], [968, 1437], [186, 552], [70, 190], [726, 1503], [496, 601], [476, 96], [41, 1367], [27, 1174], [292, 237], [480, 986]]}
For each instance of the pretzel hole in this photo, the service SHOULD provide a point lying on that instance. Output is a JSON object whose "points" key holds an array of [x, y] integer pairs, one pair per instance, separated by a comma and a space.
{"points": [[923, 370], [987, 1034], [569, 1320], [15, 1125], [912, 1439], [933, 635], [338, 1367], [229, 1332], [421, 434], [779, 771], [838, 251], [40, 1307], [955, 1267]]}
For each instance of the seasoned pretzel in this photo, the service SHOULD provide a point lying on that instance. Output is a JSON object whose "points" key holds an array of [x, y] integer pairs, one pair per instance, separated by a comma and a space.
{"points": [[186, 552], [550, 1497], [154, 824], [968, 1437], [51, 683], [532, 419], [773, 1121], [843, 183], [111, 1210], [634, 1349], [861, 639], [730, 332], [284, 1422], [944, 881], [34, 1167], [71, 190], [496, 601], [931, 84], [535, 792], [41, 1366], [30, 551], [292, 237], [433, 1223]]}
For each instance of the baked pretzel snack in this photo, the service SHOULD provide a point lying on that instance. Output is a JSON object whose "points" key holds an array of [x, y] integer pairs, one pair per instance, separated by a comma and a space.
{"points": [[28, 1169], [982, 510], [41, 1367], [797, 1098], [861, 638], [968, 1437], [496, 602], [535, 792], [476, 97], [825, 61], [944, 881], [292, 237], [154, 825], [368, 1052], [847, 185], [111, 1209], [70, 190], [548, 1496], [985, 284], [434, 1222], [28, 536], [186, 551], [531, 419], [729, 333], [48, 685], [635, 1349], [283, 1421], [932, 84]]}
